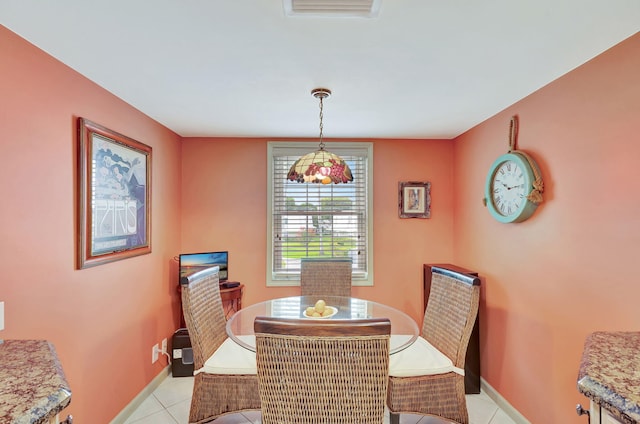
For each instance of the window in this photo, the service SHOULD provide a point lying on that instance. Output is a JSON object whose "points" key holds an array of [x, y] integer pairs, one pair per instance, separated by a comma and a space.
{"points": [[316, 220]]}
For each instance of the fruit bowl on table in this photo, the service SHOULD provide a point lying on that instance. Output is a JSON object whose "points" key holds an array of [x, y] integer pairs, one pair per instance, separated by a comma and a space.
{"points": [[331, 308]]}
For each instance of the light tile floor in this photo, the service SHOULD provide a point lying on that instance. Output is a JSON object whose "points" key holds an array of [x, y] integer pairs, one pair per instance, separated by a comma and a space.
{"points": [[170, 402]]}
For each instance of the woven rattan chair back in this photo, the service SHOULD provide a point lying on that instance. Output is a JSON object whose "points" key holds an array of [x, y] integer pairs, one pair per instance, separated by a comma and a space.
{"points": [[448, 322], [328, 277], [322, 371], [203, 314], [451, 313], [213, 394]]}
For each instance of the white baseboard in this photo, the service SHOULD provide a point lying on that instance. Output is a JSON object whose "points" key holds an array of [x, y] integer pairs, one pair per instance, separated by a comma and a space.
{"points": [[502, 403], [145, 393]]}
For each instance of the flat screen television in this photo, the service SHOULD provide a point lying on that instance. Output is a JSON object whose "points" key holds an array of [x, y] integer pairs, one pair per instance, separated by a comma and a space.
{"points": [[194, 262]]}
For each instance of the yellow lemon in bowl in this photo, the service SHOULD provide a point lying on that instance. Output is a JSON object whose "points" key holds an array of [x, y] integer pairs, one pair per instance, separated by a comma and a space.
{"points": [[320, 306]]}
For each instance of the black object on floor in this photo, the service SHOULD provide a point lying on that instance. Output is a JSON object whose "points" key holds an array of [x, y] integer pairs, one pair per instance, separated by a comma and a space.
{"points": [[182, 354]]}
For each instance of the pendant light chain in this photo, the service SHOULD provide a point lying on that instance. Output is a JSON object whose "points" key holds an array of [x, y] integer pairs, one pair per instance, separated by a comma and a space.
{"points": [[321, 115]]}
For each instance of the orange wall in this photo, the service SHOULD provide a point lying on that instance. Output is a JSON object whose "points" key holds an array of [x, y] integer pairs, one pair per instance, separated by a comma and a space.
{"points": [[103, 320], [224, 208], [564, 273]]}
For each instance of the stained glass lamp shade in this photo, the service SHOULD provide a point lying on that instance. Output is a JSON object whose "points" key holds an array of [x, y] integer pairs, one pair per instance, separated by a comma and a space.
{"points": [[320, 166]]}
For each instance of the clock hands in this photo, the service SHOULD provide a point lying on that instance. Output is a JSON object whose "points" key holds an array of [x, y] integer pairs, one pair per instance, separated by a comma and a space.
{"points": [[510, 187]]}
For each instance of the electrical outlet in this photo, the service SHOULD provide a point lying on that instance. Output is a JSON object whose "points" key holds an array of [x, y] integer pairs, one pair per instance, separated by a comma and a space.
{"points": [[164, 346], [154, 353]]}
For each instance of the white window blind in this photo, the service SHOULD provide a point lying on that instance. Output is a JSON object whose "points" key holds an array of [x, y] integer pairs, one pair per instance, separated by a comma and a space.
{"points": [[317, 220]]}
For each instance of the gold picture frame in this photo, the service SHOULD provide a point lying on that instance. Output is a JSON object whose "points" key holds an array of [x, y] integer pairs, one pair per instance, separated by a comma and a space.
{"points": [[114, 196], [414, 199]]}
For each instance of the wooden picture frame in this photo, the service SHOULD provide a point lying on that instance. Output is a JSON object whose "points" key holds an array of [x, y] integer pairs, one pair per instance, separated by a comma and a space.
{"points": [[114, 196], [414, 199]]}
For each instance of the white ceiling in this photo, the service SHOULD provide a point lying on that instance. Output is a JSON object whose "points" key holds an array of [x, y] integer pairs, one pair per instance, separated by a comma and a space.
{"points": [[420, 69]]}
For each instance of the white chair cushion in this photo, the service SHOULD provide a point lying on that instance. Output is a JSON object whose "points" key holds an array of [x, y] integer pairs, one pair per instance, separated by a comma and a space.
{"points": [[398, 340], [421, 358], [230, 358]]}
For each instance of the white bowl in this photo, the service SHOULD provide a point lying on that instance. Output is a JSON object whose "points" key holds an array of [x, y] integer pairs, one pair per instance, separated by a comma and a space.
{"points": [[333, 312]]}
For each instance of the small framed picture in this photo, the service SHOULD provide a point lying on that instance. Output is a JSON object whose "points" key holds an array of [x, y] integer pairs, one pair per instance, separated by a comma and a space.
{"points": [[114, 196], [414, 199]]}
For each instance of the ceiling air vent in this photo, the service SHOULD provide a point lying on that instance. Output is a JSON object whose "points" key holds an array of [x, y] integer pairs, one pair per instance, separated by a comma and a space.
{"points": [[332, 8]]}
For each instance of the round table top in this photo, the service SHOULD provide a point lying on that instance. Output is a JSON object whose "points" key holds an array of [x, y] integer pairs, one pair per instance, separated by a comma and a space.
{"points": [[404, 330]]}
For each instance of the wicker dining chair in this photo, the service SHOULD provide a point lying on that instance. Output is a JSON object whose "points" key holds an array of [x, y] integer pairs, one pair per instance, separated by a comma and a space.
{"points": [[225, 376], [322, 371], [428, 377], [329, 277]]}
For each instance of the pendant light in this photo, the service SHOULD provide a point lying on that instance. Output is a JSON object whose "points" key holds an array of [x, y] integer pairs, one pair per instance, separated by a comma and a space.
{"points": [[320, 166]]}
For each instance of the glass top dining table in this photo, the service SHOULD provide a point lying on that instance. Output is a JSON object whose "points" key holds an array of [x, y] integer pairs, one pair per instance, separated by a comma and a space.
{"points": [[404, 330]]}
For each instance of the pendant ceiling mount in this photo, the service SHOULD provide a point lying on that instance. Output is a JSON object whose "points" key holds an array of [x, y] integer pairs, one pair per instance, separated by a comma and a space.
{"points": [[320, 93]]}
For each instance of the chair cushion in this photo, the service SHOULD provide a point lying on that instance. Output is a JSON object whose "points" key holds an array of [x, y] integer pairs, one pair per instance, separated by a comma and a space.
{"points": [[230, 358], [421, 358], [398, 340]]}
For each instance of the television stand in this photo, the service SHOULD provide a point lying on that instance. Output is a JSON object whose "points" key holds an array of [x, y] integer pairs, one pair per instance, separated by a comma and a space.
{"points": [[231, 301]]}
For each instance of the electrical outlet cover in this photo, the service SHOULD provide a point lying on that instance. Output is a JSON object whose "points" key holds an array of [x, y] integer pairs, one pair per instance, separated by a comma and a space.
{"points": [[154, 354]]}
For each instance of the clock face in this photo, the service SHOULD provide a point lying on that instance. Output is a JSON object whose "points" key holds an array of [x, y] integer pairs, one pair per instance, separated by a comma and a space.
{"points": [[508, 188]]}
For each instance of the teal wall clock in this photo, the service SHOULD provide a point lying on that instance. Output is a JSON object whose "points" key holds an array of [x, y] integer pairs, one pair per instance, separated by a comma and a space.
{"points": [[513, 188]]}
